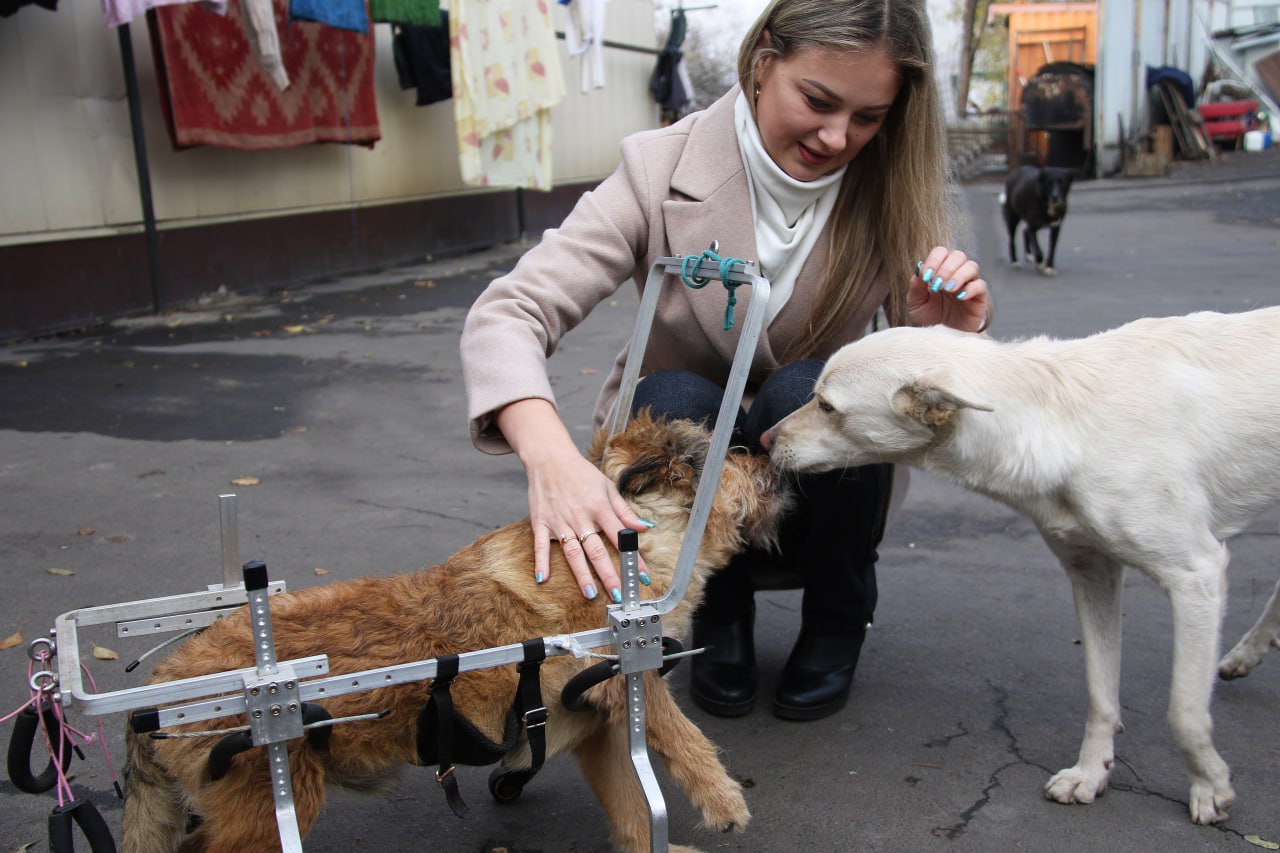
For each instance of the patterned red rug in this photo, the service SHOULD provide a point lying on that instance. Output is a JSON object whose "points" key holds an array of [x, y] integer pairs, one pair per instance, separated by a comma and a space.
{"points": [[214, 92]]}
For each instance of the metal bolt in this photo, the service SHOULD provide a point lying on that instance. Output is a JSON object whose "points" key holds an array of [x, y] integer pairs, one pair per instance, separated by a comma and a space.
{"points": [[254, 691], [257, 713], [655, 620], [627, 644], [293, 707], [289, 685], [626, 623], [657, 640], [640, 622], [273, 688], [641, 642], [276, 710]]}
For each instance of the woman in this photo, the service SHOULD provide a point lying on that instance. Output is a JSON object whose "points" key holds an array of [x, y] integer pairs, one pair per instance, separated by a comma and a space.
{"points": [[827, 164]]}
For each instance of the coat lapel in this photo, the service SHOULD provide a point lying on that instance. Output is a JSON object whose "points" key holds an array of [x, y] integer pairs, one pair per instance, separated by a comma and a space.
{"points": [[715, 207]]}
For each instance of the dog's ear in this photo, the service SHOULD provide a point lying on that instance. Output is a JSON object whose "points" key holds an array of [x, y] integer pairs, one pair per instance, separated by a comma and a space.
{"points": [[929, 403], [660, 454]]}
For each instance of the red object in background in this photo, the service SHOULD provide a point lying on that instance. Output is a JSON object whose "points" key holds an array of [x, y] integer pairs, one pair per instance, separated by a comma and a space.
{"points": [[1229, 121], [214, 91]]}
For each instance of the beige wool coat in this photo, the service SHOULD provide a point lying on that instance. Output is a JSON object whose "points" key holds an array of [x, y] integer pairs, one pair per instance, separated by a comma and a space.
{"points": [[677, 189]]}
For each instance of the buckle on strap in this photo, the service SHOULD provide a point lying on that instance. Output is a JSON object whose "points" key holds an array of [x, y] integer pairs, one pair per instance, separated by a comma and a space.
{"points": [[534, 717], [443, 775]]}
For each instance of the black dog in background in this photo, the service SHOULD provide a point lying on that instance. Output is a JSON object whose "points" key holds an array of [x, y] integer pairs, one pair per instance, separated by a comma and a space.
{"points": [[1037, 196]]}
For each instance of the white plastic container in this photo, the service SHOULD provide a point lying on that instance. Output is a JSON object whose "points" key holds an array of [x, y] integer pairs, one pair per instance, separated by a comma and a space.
{"points": [[1257, 140]]}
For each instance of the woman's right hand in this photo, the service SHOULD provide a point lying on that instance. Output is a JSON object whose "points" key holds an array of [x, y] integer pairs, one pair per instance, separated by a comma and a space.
{"points": [[572, 505]]}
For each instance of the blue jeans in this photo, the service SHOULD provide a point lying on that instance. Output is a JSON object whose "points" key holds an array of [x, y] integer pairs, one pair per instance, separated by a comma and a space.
{"points": [[830, 539]]}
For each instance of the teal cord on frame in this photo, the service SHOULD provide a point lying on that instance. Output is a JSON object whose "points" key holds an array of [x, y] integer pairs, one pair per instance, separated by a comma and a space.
{"points": [[697, 281]]}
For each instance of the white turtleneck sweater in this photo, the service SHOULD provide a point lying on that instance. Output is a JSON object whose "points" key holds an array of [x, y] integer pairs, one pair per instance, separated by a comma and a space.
{"points": [[788, 214]]}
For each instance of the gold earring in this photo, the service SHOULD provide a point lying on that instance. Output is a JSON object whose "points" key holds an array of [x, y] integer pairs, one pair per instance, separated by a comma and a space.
{"points": [[757, 95]]}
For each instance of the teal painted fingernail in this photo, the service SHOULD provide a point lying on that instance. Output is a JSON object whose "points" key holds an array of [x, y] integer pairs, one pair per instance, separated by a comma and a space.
{"points": [[539, 577], [644, 578], [936, 286], [918, 265], [647, 523], [962, 294], [616, 595], [928, 275], [589, 592], [952, 285]]}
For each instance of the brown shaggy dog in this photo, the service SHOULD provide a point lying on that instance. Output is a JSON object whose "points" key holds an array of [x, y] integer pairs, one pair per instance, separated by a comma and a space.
{"points": [[483, 596]]}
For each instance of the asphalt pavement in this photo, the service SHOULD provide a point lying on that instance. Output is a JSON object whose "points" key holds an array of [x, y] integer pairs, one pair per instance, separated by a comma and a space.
{"points": [[335, 412]]}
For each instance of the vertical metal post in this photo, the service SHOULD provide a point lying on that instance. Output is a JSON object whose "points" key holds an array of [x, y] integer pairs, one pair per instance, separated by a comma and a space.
{"points": [[639, 650], [274, 711], [230, 541], [144, 169]]}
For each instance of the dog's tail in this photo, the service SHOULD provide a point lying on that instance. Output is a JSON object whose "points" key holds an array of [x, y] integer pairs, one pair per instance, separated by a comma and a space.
{"points": [[155, 812]]}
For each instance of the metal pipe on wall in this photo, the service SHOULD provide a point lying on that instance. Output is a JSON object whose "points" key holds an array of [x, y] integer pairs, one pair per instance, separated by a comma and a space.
{"points": [[143, 167]]}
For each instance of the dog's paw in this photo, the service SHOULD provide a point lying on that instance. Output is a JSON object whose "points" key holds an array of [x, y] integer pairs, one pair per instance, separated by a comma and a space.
{"points": [[1048, 272], [1209, 803], [1240, 661], [726, 811], [1075, 785]]}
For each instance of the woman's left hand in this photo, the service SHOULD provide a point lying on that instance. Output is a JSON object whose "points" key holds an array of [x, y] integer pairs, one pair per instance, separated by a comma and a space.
{"points": [[947, 289]]}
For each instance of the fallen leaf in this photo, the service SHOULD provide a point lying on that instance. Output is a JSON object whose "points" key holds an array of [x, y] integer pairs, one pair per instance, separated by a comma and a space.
{"points": [[86, 531], [261, 333], [427, 283], [300, 429], [24, 848], [323, 571], [1261, 842], [296, 330], [12, 640], [103, 653], [245, 481], [117, 538], [60, 572]]}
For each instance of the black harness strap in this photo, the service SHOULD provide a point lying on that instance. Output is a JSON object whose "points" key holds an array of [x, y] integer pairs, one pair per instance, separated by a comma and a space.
{"points": [[446, 672], [533, 713]]}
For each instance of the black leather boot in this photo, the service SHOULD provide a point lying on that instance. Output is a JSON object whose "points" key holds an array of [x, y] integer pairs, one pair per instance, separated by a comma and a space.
{"points": [[818, 675], [725, 677]]}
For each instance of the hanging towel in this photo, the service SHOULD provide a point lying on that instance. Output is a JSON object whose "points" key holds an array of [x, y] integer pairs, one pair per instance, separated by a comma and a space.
{"points": [[341, 14], [506, 77], [120, 12], [213, 91], [418, 13], [422, 60], [584, 37], [260, 20]]}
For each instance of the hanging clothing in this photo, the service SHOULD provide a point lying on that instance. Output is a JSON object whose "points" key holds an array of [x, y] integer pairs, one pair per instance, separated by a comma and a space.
{"points": [[341, 14], [418, 13], [506, 78], [213, 91], [584, 37], [120, 12], [260, 17], [669, 83], [422, 60]]}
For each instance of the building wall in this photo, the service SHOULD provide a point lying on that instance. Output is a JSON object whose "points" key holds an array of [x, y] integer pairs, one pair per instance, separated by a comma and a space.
{"points": [[69, 192]]}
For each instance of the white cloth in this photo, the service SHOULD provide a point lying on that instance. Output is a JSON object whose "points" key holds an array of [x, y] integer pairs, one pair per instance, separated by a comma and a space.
{"points": [[123, 11], [506, 78], [584, 39], [788, 214]]}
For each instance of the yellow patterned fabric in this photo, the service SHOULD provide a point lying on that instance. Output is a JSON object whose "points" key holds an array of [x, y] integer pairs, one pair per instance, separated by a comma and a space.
{"points": [[506, 78]]}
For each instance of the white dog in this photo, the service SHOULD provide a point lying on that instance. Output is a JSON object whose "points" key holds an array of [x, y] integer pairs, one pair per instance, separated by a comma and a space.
{"points": [[1148, 446]]}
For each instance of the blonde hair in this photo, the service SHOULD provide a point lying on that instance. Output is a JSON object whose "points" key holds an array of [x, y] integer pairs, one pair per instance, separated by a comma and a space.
{"points": [[893, 203]]}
